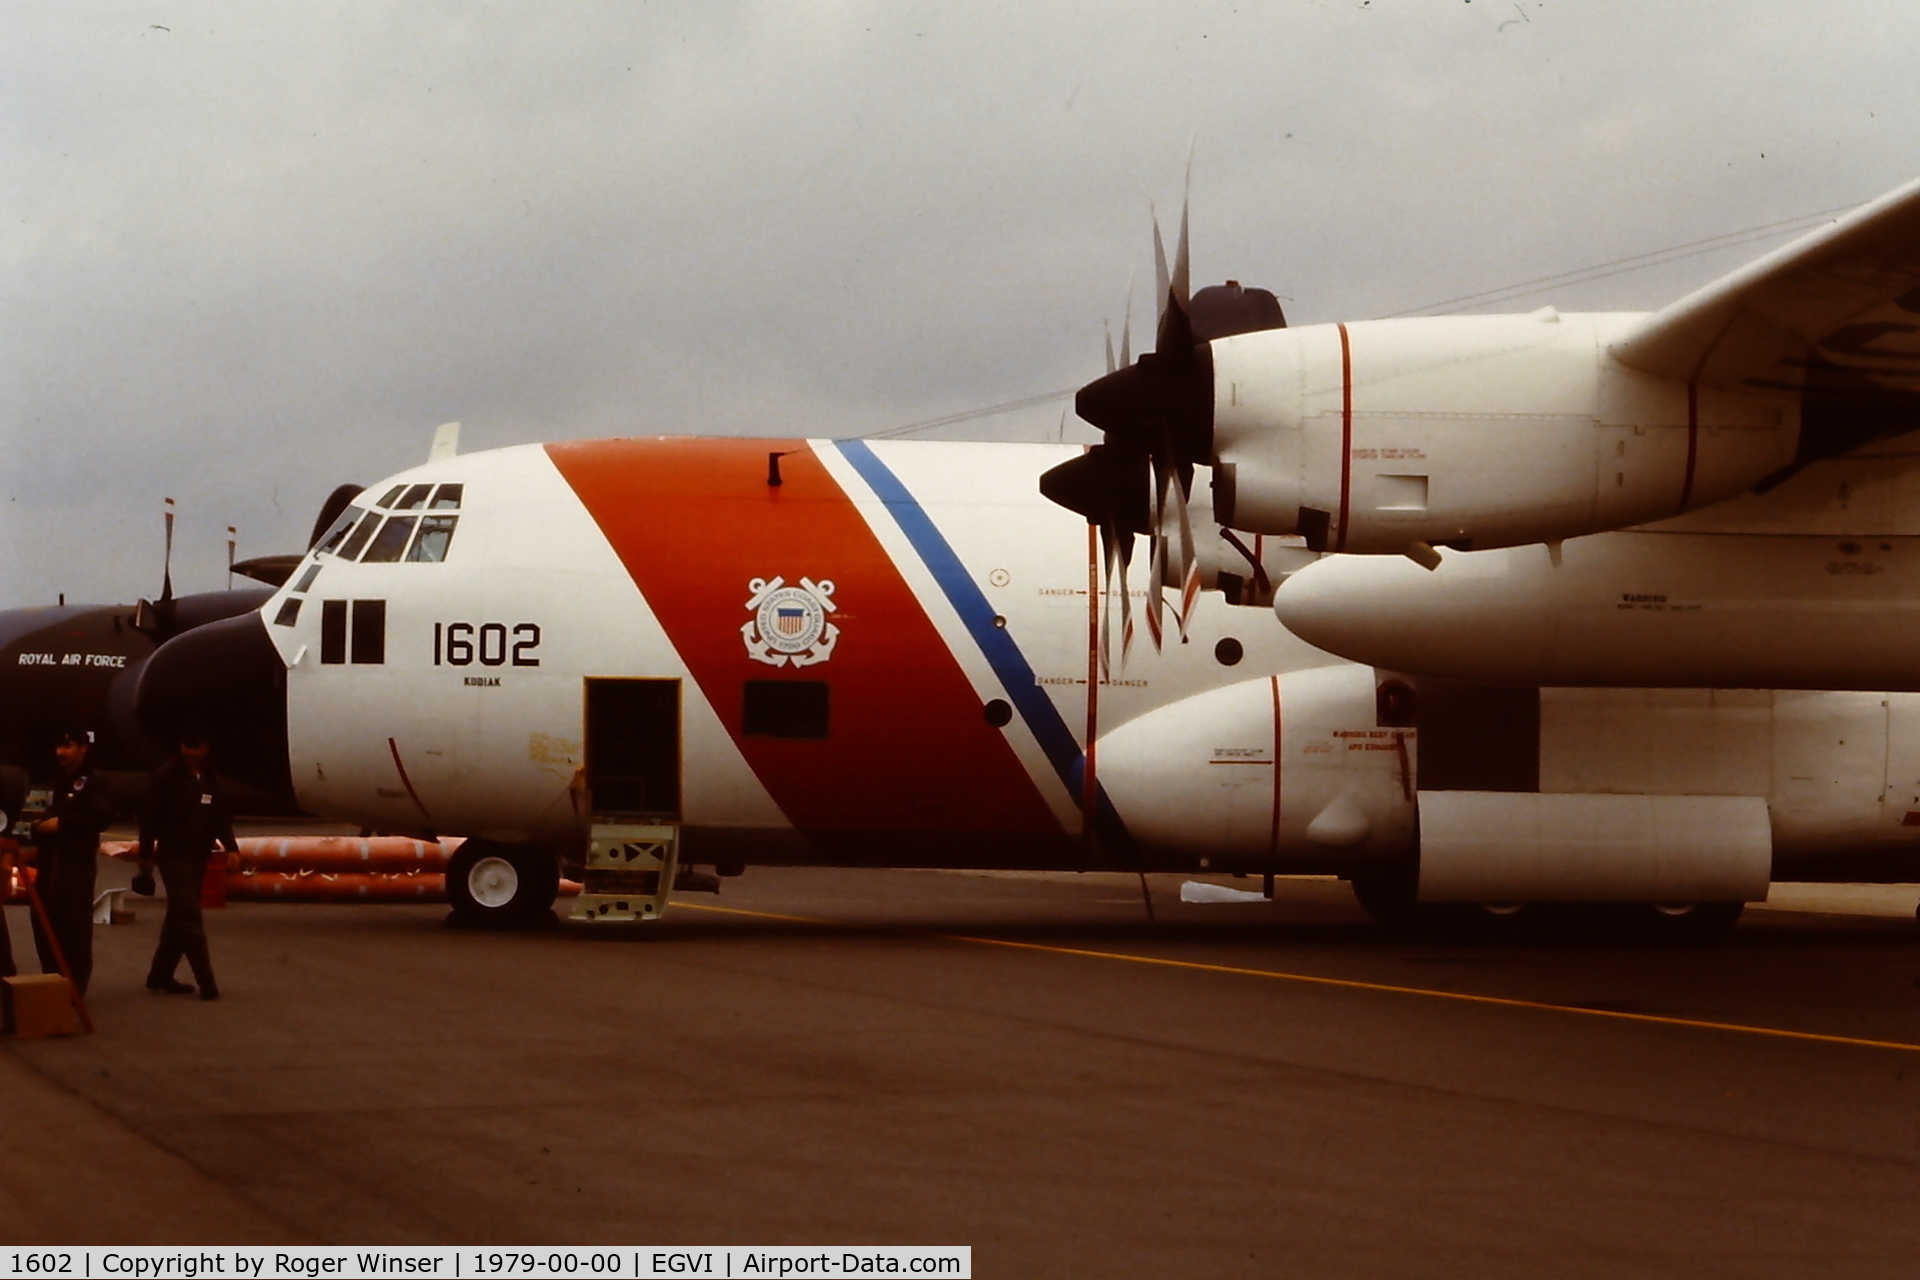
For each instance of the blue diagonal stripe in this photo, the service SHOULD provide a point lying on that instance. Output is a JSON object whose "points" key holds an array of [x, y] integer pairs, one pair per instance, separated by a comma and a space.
{"points": [[1042, 718]]}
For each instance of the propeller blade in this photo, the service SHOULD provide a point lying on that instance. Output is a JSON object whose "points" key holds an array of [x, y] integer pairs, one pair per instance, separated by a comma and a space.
{"points": [[1174, 340], [273, 570], [1162, 281], [1156, 629], [1189, 563], [1182, 256], [166, 566], [1109, 552], [1126, 328], [1109, 332], [330, 510]]}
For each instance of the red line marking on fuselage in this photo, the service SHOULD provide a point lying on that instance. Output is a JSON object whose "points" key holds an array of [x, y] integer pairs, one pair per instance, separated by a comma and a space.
{"points": [[1346, 435], [1089, 785], [1693, 442], [1273, 834]]}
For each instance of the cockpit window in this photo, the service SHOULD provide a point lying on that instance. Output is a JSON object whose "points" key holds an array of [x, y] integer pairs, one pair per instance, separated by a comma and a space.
{"points": [[331, 538], [391, 541], [436, 534], [350, 549], [367, 536], [306, 579]]}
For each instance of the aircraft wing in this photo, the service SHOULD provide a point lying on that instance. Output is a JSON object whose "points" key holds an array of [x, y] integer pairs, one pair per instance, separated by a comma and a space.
{"points": [[1836, 314]]}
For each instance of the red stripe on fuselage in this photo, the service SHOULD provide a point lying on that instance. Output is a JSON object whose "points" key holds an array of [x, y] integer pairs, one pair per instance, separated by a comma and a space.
{"points": [[909, 748]]}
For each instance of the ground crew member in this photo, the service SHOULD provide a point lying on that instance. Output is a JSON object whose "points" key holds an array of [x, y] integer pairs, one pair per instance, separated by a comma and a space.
{"points": [[7, 851], [66, 845], [13, 795], [185, 816]]}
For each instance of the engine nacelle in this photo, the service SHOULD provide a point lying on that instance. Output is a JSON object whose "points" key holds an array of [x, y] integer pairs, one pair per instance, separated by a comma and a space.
{"points": [[1290, 772], [1472, 431], [1631, 608]]}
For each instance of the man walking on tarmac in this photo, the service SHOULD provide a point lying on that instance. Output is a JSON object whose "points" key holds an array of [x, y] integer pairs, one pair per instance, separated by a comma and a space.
{"points": [[13, 798], [66, 844], [185, 816]]}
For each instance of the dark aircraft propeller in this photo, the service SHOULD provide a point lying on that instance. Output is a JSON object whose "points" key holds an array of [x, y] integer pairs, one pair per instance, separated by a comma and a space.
{"points": [[276, 569], [155, 618], [160, 620], [1157, 417]]}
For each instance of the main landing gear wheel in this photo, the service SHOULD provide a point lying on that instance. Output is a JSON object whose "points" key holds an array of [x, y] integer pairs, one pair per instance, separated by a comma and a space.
{"points": [[1689, 923], [501, 886], [1386, 893]]}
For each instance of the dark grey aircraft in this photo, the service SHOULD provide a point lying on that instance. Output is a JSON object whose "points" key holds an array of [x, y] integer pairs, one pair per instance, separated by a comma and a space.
{"points": [[78, 664]]}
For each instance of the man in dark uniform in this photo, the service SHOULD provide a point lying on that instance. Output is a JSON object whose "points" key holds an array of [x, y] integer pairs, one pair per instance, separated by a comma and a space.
{"points": [[13, 798], [185, 816], [8, 851], [66, 845]]}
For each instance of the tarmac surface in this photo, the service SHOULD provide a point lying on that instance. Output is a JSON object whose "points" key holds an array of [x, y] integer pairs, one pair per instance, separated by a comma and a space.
{"points": [[1016, 1062]]}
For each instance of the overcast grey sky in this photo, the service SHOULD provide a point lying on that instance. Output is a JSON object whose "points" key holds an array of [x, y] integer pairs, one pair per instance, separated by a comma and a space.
{"points": [[254, 250]]}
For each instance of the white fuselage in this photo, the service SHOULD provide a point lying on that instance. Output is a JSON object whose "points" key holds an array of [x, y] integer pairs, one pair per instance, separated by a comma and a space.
{"points": [[885, 659]]}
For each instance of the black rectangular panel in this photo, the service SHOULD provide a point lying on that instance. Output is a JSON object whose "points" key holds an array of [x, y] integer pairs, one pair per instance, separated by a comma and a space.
{"points": [[370, 631], [784, 708], [1477, 737], [333, 631]]}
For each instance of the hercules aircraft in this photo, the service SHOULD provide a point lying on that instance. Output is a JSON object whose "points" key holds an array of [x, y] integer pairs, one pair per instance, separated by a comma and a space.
{"points": [[638, 654], [651, 653]]}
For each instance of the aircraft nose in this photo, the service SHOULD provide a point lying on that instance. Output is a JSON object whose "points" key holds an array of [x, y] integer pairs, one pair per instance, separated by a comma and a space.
{"points": [[228, 676]]}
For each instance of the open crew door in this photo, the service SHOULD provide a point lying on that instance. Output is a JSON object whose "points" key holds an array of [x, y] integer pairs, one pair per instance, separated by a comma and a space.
{"points": [[633, 788]]}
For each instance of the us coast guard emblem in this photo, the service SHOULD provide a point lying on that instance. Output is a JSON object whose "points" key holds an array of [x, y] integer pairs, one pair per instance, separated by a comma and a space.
{"points": [[789, 624]]}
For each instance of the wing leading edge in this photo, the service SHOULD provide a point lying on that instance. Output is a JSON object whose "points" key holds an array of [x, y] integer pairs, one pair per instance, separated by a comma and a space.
{"points": [[1834, 316]]}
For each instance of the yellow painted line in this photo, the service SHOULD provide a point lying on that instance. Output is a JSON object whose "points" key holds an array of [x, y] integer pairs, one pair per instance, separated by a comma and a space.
{"points": [[1356, 985]]}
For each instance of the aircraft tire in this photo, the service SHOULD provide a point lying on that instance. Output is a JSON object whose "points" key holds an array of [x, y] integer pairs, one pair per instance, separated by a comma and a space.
{"points": [[1688, 923], [1387, 893], [501, 886]]}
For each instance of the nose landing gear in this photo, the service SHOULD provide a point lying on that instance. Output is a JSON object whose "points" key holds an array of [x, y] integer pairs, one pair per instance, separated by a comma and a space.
{"points": [[501, 886]]}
